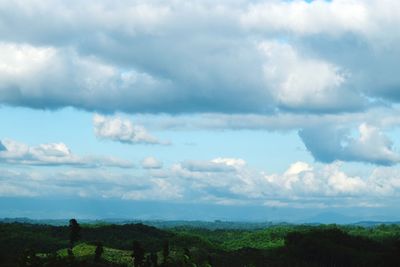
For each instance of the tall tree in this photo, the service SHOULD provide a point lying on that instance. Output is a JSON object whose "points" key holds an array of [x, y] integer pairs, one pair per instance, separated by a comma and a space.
{"points": [[137, 254], [98, 252], [147, 262], [165, 252], [74, 232], [154, 259]]}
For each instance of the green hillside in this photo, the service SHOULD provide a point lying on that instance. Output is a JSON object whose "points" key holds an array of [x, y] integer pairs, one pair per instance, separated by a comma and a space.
{"points": [[280, 245]]}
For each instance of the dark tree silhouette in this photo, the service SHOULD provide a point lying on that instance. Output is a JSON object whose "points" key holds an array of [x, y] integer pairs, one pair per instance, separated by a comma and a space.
{"points": [[186, 256], [165, 251], [74, 232], [98, 252], [209, 261], [154, 259], [137, 254], [147, 262]]}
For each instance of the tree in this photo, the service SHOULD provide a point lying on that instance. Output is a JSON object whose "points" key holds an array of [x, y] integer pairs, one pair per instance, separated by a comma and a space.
{"points": [[186, 256], [98, 252], [154, 259], [137, 254], [148, 262], [165, 251], [74, 232]]}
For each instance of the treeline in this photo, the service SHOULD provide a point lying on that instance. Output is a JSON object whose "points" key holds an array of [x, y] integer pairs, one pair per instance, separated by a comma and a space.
{"points": [[144, 246]]}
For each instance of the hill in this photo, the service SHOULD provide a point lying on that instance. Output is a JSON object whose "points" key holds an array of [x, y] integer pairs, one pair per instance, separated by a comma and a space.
{"points": [[279, 245]]}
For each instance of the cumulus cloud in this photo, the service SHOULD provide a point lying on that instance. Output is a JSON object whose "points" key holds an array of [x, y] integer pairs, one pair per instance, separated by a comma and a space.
{"points": [[151, 163], [301, 185], [308, 18], [300, 180], [122, 130], [304, 180], [50, 77], [331, 143], [53, 154]]}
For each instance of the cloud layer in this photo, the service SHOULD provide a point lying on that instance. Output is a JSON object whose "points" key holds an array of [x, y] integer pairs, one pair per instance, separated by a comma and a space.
{"points": [[301, 186], [236, 57], [53, 154], [349, 137]]}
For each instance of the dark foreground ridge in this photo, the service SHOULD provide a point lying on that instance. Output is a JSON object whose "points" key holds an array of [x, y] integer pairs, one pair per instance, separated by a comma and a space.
{"points": [[79, 244]]}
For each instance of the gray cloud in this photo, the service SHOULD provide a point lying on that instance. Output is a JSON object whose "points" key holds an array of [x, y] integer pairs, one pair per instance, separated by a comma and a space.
{"points": [[185, 57], [331, 143], [2, 147], [206, 166]]}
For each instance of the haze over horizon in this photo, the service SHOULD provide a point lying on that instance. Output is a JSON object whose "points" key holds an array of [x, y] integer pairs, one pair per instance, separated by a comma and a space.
{"points": [[259, 110]]}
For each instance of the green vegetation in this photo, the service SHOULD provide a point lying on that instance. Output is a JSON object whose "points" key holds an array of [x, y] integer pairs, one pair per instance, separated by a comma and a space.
{"points": [[23, 244], [84, 251]]}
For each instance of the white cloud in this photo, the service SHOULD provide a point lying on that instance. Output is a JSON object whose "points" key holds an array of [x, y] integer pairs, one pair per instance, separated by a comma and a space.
{"points": [[297, 168], [306, 18], [303, 83], [82, 17], [151, 163], [303, 180], [53, 154], [300, 180], [342, 183], [372, 145], [372, 21], [122, 130], [50, 77]]}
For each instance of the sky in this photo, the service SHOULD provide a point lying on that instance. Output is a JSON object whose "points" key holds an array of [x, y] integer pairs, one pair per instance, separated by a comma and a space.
{"points": [[258, 110]]}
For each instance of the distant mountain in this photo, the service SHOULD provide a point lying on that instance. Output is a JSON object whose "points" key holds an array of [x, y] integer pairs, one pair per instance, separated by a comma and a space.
{"points": [[330, 218], [53, 222], [374, 223], [322, 218], [211, 225]]}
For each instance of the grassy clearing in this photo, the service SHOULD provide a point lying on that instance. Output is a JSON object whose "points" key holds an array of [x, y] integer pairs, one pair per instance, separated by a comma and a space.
{"points": [[86, 251]]}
